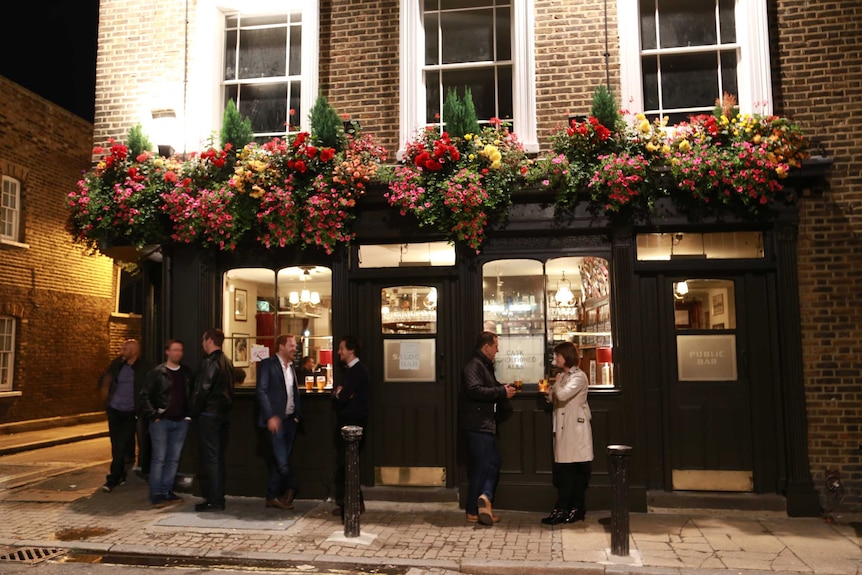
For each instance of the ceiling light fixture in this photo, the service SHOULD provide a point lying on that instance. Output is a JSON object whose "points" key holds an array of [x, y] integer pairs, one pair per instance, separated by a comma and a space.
{"points": [[564, 296]]}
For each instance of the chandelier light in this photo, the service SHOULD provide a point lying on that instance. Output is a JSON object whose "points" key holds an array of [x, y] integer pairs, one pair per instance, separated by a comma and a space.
{"points": [[564, 296]]}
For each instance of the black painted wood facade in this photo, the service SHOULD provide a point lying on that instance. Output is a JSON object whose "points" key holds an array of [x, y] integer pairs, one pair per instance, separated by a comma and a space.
{"points": [[187, 300]]}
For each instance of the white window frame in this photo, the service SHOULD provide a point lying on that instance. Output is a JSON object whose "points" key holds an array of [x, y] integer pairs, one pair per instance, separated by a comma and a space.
{"points": [[753, 69], [205, 107], [10, 187], [9, 321], [412, 90]]}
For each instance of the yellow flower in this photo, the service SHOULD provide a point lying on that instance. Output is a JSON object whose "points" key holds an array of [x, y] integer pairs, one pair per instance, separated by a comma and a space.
{"points": [[665, 149], [644, 127], [684, 146], [471, 157], [468, 137], [756, 139], [651, 147], [781, 171], [495, 165]]}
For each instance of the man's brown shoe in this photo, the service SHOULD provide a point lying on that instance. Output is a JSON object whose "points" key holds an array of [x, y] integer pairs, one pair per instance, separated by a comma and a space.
{"points": [[287, 498], [486, 513], [278, 503]]}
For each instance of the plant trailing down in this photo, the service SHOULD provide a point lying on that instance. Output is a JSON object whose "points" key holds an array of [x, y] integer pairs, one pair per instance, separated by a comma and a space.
{"points": [[457, 182], [713, 164], [285, 192]]}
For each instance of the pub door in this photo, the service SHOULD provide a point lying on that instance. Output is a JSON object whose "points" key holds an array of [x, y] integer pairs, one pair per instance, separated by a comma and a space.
{"points": [[717, 374], [411, 427]]}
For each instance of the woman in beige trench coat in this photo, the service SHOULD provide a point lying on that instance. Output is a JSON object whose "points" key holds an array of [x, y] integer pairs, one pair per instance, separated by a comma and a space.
{"points": [[573, 437]]}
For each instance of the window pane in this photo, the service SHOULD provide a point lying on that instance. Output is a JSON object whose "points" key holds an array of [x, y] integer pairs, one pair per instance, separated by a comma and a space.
{"points": [[432, 43], [720, 245], [295, 51], [295, 105], [7, 350], [689, 80], [265, 106], [727, 21], [513, 294], [467, 36], [304, 309], [687, 23], [406, 255], [504, 94], [648, 41], [481, 84], [504, 34], [456, 4], [579, 311], [432, 97], [230, 55], [729, 78], [704, 304], [263, 53], [408, 309], [650, 82]]}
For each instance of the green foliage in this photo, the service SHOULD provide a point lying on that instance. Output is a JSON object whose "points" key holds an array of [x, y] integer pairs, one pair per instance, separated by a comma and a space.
{"points": [[459, 114], [138, 141], [605, 108], [236, 129], [327, 129]]}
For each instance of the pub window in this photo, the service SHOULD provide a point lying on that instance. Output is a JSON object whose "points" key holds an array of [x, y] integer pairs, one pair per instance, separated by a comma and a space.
{"points": [[261, 304], [265, 69], [407, 255], [7, 352], [680, 246], [130, 295], [408, 309], [678, 56], [532, 306]]}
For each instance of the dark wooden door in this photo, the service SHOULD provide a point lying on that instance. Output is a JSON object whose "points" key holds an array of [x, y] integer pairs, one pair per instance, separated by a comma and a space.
{"points": [[411, 429], [707, 384]]}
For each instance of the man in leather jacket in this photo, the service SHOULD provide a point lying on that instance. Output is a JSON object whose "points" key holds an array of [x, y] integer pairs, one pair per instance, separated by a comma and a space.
{"points": [[480, 393], [165, 405], [210, 405]]}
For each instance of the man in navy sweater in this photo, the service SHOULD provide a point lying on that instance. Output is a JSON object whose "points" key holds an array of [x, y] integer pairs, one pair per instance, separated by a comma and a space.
{"points": [[351, 399]]}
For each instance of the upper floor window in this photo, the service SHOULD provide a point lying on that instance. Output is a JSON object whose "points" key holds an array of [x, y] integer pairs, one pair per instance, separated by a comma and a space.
{"points": [[483, 45], [263, 70], [679, 56], [7, 352], [10, 209]]}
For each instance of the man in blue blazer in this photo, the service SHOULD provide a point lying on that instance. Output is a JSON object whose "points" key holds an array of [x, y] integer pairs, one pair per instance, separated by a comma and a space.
{"points": [[280, 413]]}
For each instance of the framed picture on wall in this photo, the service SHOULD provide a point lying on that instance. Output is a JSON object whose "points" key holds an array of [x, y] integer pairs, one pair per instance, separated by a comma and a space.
{"points": [[718, 304], [240, 356], [240, 305]]}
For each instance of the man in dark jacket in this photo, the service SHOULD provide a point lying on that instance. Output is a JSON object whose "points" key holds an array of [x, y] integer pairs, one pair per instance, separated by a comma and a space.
{"points": [[210, 405], [280, 414], [480, 393], [165, 405], [352, 400], [121, 385]]}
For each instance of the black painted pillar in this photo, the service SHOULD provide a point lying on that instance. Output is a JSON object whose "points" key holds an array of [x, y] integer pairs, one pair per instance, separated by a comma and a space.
{"points": [[619, 467], [351, 434]]}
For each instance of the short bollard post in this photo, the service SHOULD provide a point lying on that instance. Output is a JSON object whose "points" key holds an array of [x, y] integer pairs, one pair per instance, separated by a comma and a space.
{"points": [[351, 434], [619, 460]]}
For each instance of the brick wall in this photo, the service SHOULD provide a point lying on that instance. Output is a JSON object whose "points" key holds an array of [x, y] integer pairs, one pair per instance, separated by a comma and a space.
{"points": [[61, 295], [821, 87]]}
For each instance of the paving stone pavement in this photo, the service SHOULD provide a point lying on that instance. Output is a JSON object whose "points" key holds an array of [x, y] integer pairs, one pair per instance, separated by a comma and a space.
{"points": [[71, 512]]}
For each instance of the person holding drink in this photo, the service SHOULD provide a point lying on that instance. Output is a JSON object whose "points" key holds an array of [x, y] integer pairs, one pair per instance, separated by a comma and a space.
{"points": [[573, 437]]}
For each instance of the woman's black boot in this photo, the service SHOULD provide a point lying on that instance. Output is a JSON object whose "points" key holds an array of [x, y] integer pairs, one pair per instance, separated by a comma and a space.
{"points": [[575, 515], [556, 517]]}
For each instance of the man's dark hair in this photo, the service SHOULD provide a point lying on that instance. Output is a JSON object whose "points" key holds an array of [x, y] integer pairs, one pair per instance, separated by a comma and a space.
{"points": [[352, 343], [282, 339], [238, 375], [485, 338], [171, 342], [216, 335]]}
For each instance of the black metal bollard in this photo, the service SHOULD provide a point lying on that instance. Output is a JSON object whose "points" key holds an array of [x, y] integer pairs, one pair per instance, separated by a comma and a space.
{"points": [[351, 434], [619, 460]]}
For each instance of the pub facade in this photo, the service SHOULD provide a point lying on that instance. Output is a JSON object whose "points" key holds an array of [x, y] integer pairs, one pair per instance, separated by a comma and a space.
{"points": [[690, 329]]}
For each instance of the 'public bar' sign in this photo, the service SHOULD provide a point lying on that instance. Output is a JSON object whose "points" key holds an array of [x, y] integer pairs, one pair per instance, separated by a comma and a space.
{"points": [[706, 357]]}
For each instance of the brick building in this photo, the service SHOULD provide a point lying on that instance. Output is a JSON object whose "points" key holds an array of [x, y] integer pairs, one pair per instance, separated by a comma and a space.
{"points": [[56, 300], [170, 68]]}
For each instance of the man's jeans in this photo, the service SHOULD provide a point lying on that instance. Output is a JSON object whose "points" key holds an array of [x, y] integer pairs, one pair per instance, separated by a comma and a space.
{"points": [[212, 446], [121, 428], [281, 475], [168, 438], [483, 468]]}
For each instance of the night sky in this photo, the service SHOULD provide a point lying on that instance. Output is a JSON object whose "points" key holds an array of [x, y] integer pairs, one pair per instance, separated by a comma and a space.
{"points": [[49, 47]]}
